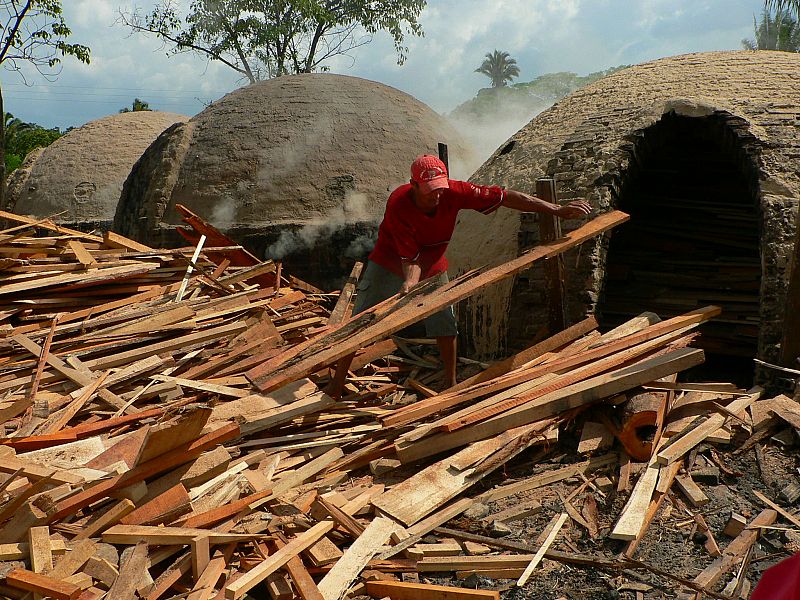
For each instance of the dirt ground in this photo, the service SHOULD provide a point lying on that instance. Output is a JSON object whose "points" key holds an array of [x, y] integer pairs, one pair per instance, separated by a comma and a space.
{"points": [[671, 543]]}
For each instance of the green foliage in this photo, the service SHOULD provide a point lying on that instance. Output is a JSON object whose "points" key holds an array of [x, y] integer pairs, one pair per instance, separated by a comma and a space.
{"points": [[268, 38], [775, 32], [499, 67], [792, 6], [136, 106], [34, 31], [21, 138]]}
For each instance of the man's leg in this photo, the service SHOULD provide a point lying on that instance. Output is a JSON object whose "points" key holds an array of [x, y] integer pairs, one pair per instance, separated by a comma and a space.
{"points": [[447, 350]]}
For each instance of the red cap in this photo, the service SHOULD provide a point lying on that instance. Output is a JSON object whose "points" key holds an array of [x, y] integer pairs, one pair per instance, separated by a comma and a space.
{"points": [[429, 172]]}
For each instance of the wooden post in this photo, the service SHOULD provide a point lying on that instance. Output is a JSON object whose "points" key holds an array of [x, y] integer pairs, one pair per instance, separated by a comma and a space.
{"points": [[790, 346], [549, 230], [443, 157]]}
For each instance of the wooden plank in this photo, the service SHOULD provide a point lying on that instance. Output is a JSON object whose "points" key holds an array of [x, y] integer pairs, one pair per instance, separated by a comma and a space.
{"points": [[49, 225], [616, 354], [612, 354], [338, 579], [168, 435], [272, 563], [787, 409], [580, 394], [417, 531], [164, 508], [630, 521], [21, 550], [82, 279], [353, 527], [554, 271], [340, 312], [81, 253], [551, 537], [465, 563], [398, 590], [328, 347], [130, 573], [735, 551], [220, 513], [305, 584], [106, 519], [420, 494], [22, 579], [167, 536], [115, 240], [41, 555], [74, 559], [683, 444], [691, 490], [204, 587], [782, 512], [170, 460]]}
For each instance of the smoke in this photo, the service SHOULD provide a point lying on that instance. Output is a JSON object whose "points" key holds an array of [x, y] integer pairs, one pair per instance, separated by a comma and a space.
{"points": [[223, 215], [354, 209], [487, 126]]}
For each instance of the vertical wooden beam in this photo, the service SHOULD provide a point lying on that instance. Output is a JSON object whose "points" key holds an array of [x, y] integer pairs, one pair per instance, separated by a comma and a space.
{"points": [[555, 280], [790, 345], [444, 157]]}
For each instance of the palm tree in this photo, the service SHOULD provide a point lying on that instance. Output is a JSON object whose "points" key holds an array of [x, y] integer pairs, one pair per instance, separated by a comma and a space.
{"points": [[781, 32], [791, 5], [499, 67]]}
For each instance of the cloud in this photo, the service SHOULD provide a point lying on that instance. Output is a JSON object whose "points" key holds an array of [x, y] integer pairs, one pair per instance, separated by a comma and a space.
{"points": [[543, 35]]}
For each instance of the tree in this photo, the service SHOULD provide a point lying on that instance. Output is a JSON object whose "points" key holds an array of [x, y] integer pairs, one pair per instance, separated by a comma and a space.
{"points": [[137, 106], [499, 67], [792, 6], [778, 32], [267, 38], [34, 33], [20, 138]]}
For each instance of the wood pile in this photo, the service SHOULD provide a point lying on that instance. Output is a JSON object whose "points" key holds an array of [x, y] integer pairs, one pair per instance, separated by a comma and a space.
{"points": [[166, 433]]}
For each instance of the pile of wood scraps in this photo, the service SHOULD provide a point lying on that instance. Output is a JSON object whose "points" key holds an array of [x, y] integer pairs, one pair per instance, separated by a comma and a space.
{"points": [[167, 434]]}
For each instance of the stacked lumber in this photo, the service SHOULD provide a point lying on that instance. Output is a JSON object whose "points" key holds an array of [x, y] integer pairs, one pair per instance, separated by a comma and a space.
{"points": [[170, 436]]}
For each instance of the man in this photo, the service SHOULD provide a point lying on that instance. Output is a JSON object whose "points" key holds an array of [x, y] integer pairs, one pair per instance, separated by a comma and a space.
{"points": [[417, 226]]}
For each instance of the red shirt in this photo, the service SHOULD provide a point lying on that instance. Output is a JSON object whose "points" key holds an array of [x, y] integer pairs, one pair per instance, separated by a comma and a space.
{"points": [[406, 232]]}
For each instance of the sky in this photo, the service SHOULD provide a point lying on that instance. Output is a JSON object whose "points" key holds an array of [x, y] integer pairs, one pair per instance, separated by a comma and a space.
{"points": [[544, 36]]}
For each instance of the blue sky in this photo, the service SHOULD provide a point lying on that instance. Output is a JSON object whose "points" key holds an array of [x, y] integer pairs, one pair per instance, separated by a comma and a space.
{"points": [[543, 35]]}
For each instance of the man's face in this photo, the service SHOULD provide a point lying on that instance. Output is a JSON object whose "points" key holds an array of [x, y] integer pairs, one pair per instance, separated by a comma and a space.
{"points": [[428, 201]]}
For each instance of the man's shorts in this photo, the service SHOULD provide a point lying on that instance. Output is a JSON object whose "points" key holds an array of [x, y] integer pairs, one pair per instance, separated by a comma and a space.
{"points": [[377, 284]]}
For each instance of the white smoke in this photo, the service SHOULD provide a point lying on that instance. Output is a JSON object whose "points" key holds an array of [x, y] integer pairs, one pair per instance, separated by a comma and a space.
{"points": [[223, 215], [354, 209]]}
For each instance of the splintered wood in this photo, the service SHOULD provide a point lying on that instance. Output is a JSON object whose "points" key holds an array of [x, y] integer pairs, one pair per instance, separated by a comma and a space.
{"points": [[171, 403]]}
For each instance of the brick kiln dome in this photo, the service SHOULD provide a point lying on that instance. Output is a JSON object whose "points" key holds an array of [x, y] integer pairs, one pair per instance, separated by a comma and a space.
{"points": [[292, 150], [82, 172], [695, 146]]}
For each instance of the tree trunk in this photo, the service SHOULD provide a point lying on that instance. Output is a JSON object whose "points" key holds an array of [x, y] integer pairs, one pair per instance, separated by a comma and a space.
{"points": [[2, 152], [790, 346]]}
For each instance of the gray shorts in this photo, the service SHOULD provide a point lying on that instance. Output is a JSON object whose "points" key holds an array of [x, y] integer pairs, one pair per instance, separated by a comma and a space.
{"points": [[377, 284]]}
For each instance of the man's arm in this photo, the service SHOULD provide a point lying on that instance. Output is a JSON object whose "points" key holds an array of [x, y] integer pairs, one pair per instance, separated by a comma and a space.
{"points": [[527, 203], [411, 274]]}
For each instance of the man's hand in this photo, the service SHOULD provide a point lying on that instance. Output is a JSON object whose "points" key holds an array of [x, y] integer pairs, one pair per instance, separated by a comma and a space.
{"points": [[411, 274], [574, 210]]}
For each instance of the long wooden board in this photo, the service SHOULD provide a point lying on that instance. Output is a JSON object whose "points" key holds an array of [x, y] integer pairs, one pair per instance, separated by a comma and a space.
{"points": [[580, 394], [359, 332]]}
